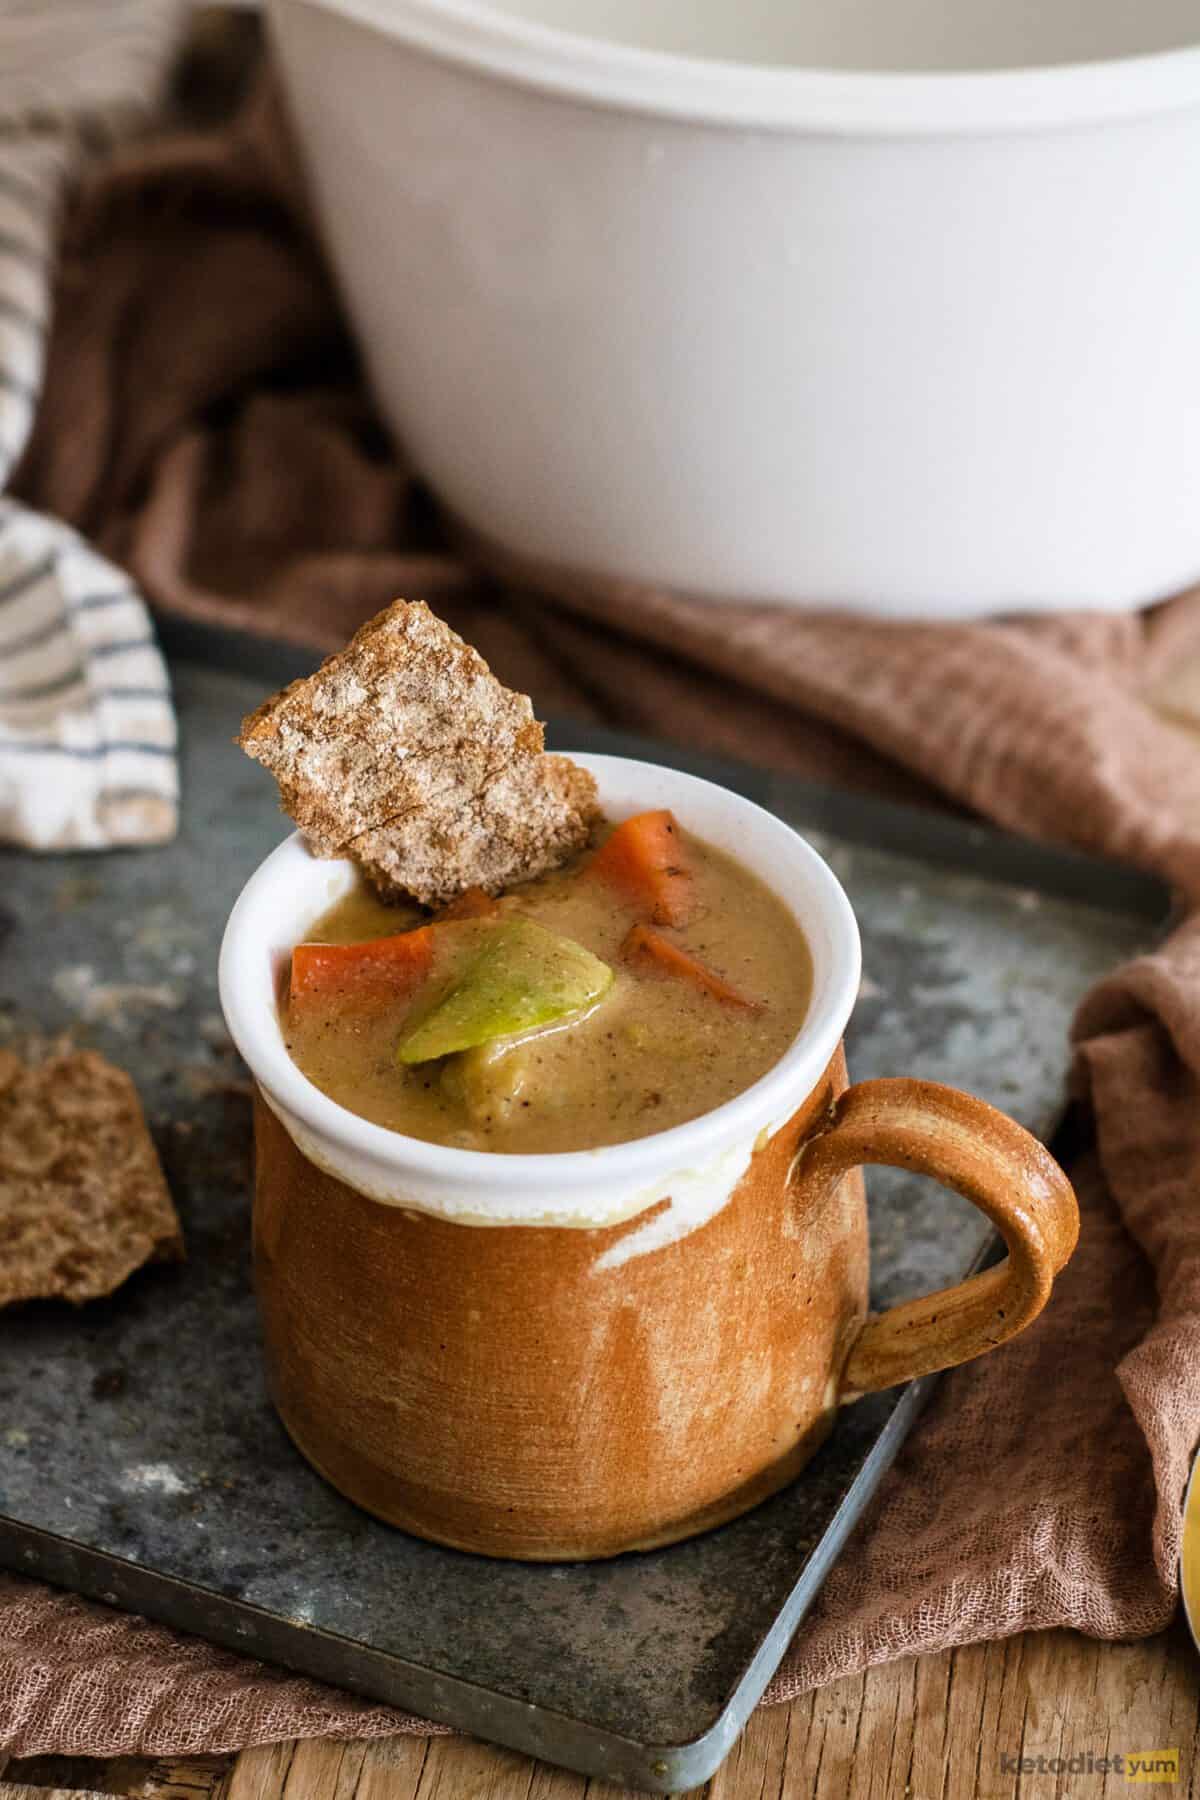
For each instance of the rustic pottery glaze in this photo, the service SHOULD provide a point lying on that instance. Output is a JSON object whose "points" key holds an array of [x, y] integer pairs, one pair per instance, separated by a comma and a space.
{"points": [[497, 1390], [568, 1356]]}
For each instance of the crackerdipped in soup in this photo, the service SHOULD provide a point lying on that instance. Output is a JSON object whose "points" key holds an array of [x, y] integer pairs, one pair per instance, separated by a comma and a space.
{"points": [[644, 983]]}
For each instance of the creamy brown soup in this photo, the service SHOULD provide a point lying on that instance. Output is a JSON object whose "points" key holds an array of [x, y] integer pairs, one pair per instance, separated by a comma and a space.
{"points": [[692, 1013]]}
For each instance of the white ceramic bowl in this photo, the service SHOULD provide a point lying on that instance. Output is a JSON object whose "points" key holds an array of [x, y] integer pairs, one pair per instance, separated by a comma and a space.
{"points": [[696, 1165], [891, 305]]}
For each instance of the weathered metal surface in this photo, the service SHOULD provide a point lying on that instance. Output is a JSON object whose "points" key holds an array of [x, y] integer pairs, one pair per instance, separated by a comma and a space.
{"points": [[136, 1441]]}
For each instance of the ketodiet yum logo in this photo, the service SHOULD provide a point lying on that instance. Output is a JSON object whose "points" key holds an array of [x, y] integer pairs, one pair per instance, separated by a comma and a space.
{"points": [[1134, 1765]]}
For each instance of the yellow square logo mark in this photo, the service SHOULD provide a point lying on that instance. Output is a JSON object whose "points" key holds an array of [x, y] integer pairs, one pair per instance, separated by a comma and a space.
{"points": [[1151, 1765]]}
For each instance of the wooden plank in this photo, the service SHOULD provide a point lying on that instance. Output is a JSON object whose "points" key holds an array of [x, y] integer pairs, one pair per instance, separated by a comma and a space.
{"points": [[188, 1778], [14, 1790], [555, 1787], [148, 1777], [391, 1768], [76, 1774], [192, 1778], [323, 1769], [886, 1700], [464, 1769], [756, 1763], [556, 1784], [261, 1773]]}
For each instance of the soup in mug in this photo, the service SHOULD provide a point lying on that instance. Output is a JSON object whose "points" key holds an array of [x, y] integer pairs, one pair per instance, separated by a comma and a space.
{"points": [[644, 983]]}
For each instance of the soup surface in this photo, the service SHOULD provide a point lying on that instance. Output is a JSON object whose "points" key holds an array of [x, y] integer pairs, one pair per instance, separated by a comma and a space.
{"points": [[570, 1013]]}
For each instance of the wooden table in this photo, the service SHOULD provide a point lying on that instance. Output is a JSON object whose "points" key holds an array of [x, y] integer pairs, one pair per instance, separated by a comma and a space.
{"points": [[931, 1728]]}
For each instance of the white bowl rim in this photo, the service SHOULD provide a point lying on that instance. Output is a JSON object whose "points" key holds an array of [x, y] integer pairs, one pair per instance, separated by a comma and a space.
{"points": [[666, 84], [256, 1031]]}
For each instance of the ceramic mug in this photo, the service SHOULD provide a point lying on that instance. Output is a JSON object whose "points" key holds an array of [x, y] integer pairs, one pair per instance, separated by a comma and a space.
{"points": [[567, 1356]]}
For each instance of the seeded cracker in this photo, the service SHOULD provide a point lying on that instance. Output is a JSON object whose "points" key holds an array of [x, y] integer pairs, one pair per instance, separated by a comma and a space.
{"points": [[404, 752], [83, 1200]]}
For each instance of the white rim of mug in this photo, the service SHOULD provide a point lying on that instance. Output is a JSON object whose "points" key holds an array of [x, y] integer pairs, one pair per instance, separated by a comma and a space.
{"points": [[252, 1015], [667, 84]]}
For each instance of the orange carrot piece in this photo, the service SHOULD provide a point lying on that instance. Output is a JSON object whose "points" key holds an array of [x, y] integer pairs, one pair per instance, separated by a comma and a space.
{"points": [[472, 903], [379, 968], [645, 948], [643, 860]]}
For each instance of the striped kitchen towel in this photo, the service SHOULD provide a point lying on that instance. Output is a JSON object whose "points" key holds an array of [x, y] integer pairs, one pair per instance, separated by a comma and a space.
{"points": [[87, 729]]}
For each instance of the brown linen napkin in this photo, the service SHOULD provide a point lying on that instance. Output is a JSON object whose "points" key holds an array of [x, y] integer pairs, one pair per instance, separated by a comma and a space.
{"points": [[205, 424]]}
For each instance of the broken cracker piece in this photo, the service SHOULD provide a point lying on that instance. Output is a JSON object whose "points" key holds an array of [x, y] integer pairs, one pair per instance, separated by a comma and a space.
{"points": [[404, 752], [530, 817], [83, 1199]]}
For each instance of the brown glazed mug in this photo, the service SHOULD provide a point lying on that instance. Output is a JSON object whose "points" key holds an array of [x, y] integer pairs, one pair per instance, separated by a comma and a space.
{"points": [[571, 1355]]}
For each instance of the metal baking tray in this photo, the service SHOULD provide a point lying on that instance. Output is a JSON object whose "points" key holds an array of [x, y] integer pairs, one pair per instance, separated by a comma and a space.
{"points": [[140, 1462]]}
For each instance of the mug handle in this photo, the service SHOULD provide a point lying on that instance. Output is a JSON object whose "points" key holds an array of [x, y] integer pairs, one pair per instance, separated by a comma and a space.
{"points": [[992, 1162]]}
